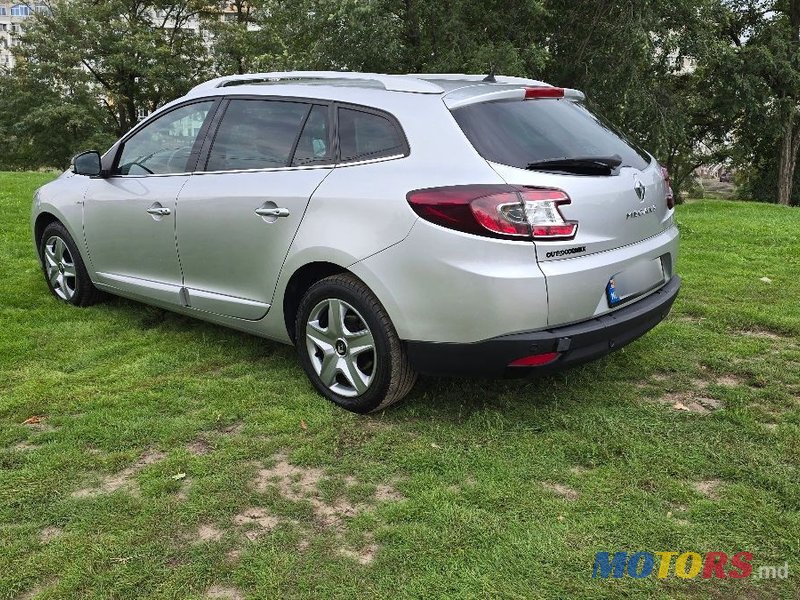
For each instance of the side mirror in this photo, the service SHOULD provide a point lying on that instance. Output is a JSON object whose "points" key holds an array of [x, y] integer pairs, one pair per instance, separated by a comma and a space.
{"points": [[87, 163]]}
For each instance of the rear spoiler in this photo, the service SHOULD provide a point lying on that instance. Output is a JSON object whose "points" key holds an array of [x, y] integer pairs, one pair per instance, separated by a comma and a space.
{"points": [[477, 94]]}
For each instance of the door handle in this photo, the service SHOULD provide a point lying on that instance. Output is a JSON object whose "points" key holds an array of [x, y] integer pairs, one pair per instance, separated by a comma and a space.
{"points": [[272, 212], [159, 211]]}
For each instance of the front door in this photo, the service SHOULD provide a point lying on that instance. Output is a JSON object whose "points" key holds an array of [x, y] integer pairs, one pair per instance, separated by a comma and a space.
{"points": [[129, 217], [237, 219]]}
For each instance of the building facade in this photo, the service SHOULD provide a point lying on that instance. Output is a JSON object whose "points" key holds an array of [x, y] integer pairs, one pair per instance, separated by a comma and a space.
{"points": [[12, 22]]}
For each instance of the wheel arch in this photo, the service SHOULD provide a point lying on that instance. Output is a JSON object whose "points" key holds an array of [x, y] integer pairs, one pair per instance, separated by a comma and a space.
{"points": [[43, 219], [300, 281]]}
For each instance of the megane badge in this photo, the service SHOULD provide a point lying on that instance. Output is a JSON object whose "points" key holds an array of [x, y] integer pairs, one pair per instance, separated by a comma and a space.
{"points": [[635, 214]]}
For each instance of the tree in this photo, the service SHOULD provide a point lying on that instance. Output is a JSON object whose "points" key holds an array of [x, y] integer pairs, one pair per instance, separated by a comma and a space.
{"points": [[759, 63], [43, 126], [134, 55], [237, 40]]}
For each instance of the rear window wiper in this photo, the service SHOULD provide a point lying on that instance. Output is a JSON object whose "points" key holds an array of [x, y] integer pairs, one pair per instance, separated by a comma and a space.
{"points": [[600, 165]]}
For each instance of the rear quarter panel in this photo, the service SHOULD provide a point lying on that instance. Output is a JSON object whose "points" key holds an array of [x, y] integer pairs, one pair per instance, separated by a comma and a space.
{"points": [[361, 210]]}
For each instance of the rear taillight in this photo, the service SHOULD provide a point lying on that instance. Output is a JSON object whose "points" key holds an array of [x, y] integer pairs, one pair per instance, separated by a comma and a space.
{"points": [[670, 195], [500, 211]]}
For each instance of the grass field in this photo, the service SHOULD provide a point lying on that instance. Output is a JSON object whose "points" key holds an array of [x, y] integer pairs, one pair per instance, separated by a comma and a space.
{"points": [[176, 459]]}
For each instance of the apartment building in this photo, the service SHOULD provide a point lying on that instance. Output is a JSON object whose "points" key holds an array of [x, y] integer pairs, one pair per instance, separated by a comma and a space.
{"points": [[12, 22]]}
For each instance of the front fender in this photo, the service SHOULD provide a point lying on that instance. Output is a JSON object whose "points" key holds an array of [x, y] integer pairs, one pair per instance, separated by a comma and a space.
{"points": [[63, 200]]}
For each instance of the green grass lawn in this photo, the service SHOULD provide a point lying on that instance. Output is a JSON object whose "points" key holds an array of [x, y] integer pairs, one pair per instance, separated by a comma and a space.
{"points": [[176, 459]]}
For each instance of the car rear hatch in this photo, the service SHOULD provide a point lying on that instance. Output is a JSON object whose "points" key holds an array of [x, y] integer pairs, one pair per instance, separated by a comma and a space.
{"points": [[607, 193]]}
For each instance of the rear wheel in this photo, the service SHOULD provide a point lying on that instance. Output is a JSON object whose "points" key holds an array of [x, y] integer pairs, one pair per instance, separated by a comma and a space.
{"points": [[64, 269], [349, 347]]}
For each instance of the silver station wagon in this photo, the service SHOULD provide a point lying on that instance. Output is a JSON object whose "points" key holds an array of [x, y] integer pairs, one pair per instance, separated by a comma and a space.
{"points": [[386, 225]]}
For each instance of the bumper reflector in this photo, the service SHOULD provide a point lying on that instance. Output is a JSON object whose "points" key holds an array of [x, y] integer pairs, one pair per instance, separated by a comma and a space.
{"points": [[536, 360]]}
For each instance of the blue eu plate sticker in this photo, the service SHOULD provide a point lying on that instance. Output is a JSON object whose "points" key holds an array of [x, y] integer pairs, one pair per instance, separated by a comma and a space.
{"points": [[611, 292]]}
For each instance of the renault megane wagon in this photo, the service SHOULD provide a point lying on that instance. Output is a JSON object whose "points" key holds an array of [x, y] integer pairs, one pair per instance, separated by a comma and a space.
{"points": [[386, 225]]}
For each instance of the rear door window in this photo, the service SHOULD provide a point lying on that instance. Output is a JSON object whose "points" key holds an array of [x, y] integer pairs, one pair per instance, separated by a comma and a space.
{"points": [[257, 134], [313, 147], [366, 135], [518, 133]]}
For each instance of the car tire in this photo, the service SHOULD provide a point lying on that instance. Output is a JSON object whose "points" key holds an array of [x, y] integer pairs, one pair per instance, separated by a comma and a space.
{"points": [[64, 269], [359, 364]]}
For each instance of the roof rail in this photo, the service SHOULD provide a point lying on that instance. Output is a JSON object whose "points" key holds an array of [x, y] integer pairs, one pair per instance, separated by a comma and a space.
{"points": [[479, 78], [392, 83]]}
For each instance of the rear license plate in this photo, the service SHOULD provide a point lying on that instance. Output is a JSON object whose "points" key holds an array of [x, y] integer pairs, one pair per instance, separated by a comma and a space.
{"points": [[634, 282]]}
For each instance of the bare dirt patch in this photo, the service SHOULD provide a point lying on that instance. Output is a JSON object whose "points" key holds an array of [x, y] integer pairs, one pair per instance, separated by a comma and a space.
{"points": [[728, 380], [48, 534], [364, 556], [122, 479], [207, 533], [562, 490], [39, 426], [36, 590], [387, 493], [758, 332], [24, 446], [233, 556], [221, 592], [691, 403], [294, 483], [257, 521], [199, 447], [708, 488], [303, 484], [689, 319], [232, 429]]}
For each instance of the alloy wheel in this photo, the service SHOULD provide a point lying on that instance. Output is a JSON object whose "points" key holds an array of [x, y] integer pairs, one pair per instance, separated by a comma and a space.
{"points": [[60, 268]]}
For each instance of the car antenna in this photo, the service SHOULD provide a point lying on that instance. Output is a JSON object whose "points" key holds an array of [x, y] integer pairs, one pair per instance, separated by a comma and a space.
{"points": [[490, 77]]}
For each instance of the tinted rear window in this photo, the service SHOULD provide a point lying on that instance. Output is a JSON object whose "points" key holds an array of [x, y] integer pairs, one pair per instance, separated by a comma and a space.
{"points": [[518, 133], [364, 135]]}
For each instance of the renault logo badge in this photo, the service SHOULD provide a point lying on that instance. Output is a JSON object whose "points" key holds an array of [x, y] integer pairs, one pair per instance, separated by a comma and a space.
{"points": [[640, 190]]}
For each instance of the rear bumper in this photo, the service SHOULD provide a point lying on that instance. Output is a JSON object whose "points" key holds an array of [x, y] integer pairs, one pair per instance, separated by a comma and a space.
{"points": [[576, 343]]}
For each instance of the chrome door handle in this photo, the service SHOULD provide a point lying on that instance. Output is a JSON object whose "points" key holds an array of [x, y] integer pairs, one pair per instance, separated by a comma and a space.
{"points": [[159, 211], [272, 212]]}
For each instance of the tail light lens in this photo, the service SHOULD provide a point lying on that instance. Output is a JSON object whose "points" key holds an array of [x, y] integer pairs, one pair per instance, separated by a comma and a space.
{"points": [[533, 93], [670, 195], [502, 211]]}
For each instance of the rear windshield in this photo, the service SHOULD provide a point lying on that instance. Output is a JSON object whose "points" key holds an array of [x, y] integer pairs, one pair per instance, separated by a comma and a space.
{"points": [[519, 133]]}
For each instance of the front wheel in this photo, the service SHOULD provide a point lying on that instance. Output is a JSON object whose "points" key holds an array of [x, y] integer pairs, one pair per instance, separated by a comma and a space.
{"points": [[349, 347], [64, 269]]}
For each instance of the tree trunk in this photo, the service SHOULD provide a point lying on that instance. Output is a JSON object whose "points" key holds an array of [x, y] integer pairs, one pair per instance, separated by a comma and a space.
{"points": [[790, 143]]}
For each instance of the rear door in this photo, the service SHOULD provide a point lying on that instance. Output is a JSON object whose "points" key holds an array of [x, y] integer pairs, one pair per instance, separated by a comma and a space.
{"points": [[617, 196], [240, 211], [623, 206]]}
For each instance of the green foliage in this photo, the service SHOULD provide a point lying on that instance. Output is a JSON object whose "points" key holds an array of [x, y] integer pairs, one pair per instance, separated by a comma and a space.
{"points": [[694, 82], [87, 69], [756, 60]]}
